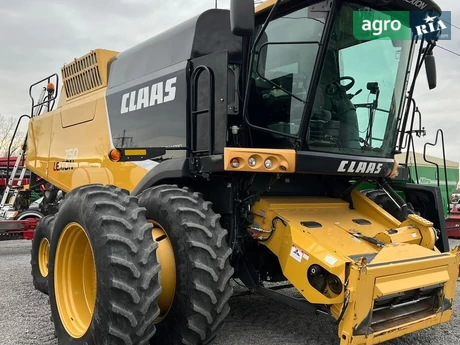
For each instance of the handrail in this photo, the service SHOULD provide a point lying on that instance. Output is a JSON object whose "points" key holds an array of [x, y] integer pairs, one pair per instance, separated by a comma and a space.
{"points": [[195, 112], [439, 132], [46, 99]]}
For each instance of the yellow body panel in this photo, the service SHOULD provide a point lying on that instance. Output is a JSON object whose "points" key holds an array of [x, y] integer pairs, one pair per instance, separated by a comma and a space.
{"points": [[326, 232], [77, 154]]}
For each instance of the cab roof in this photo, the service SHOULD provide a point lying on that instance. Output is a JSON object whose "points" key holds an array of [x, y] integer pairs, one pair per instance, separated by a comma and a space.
{"points": [[402, 5]]}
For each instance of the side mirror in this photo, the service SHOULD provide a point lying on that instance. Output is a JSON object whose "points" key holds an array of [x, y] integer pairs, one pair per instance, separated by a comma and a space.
{"points": [[430, 67], [242, 15]]}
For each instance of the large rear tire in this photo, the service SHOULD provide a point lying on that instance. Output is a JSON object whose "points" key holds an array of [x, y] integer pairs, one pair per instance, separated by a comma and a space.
{"points": [[104, 272], [196, 269], [40, 253]]}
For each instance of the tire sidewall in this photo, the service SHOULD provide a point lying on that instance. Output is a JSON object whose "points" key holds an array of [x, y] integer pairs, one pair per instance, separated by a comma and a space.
{"points": [[196, 236], [169, 326], [42, 231], [68, 213]]}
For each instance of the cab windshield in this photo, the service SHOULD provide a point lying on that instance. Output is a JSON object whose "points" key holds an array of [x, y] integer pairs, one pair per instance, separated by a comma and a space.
{"points": [[360, 91]]}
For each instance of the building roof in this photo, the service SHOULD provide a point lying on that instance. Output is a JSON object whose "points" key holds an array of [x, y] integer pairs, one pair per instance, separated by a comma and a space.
{"points": [[401, 158]]}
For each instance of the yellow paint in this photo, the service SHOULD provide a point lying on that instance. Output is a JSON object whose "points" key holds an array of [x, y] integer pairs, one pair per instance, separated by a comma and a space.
{"points": [[135, 152], [283, 161], [265, 6], [43, 257], [409, 281], [402, 264], [75, 280], [366, 205], [165, 255], [48, 141]]}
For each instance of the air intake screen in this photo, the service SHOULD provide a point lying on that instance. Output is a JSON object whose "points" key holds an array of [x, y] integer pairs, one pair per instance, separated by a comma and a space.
{"points": [[86, 73]]}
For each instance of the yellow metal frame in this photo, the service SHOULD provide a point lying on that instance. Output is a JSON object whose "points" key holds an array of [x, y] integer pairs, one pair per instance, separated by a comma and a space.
{"points": [[408, 260]]}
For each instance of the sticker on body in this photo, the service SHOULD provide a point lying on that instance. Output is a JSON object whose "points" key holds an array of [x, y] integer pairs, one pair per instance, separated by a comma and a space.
{"points": [[296, 253]]}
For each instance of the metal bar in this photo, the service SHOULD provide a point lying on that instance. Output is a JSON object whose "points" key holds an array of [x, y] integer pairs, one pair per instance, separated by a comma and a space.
{"points": [[194, 112], [439, 132], [298, 303]]}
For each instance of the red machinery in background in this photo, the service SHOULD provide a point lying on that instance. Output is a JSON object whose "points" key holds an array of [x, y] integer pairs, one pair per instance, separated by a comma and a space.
{"points": [[15, 229], [4, 174], [18, 229], [453, 223]]}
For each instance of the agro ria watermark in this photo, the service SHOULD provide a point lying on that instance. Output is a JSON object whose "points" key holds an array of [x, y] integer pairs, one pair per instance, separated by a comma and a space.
{"points": [[401, 25]]}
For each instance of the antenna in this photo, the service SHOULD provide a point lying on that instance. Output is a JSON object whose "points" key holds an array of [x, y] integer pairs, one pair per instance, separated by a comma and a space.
{"points": [[216, 3]]}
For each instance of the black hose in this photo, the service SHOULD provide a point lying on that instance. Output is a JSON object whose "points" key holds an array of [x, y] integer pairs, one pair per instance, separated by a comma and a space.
{"points": [[397, 198]]}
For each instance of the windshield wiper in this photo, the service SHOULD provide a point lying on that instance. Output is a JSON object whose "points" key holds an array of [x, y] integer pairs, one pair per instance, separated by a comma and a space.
{"points": [[369, 106]]}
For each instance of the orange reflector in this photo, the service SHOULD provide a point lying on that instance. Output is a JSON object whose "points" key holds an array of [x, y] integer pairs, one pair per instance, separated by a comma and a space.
{"points": [[50, 87], [115, 155]]}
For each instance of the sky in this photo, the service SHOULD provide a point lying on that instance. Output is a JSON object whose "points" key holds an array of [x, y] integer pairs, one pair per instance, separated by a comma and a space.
{"points": [[38, 37]]}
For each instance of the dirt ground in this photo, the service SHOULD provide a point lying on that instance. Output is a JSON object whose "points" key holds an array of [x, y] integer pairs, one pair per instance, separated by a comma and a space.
{"points": [[256, 320]]}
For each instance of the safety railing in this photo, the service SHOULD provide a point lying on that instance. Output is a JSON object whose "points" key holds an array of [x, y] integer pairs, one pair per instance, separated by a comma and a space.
{"points": [[439, 134]]}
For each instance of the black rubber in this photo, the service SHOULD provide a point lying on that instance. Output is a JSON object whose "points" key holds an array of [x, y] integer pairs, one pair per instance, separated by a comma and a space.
{"points": [[29, 214], [203, 269], [127, 268], [383, 200], [43, 230]]}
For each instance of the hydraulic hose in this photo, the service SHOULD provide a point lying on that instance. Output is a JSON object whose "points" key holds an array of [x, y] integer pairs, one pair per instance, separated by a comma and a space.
{"points": [[400, 202]]}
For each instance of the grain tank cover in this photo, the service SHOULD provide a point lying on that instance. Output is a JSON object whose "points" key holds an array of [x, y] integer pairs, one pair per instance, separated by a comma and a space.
{"points": [[204, 34], [147, 94]]}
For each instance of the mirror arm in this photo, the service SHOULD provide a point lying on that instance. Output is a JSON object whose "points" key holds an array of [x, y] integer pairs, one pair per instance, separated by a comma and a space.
{"points": [[418, 66]]}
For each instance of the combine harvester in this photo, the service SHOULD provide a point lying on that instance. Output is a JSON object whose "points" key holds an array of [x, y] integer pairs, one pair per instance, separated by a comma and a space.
{"points": [[194, 158]]}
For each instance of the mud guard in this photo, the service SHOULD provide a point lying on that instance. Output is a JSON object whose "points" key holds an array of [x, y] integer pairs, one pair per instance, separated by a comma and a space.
{"points": [[175, 168]]}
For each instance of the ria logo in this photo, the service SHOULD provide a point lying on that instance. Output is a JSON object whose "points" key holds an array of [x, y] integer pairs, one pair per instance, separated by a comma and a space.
{"points": [[361, 167], [432, 25], [149, 96]]}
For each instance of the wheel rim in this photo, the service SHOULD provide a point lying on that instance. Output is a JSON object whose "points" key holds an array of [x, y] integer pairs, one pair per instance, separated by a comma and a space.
{"points": [[43, 257], [75, 280], [165, 256]]}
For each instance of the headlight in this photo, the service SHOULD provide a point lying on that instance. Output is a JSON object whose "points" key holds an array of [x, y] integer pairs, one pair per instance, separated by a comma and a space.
{"points": [[268, 163]]}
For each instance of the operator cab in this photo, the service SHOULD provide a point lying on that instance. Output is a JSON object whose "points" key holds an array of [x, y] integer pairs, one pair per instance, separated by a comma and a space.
{"points": [[348, 104]]}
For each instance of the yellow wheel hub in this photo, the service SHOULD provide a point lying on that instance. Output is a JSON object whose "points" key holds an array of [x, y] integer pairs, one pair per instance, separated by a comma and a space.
{"points": [[165, 255], [43, 257], [75, 280]]}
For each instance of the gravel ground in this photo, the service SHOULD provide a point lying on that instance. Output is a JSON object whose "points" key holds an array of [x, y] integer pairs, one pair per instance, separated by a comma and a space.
{"points": [[25, 315]]}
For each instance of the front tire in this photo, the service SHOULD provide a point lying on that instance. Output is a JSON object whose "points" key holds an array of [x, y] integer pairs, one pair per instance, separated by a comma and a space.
{"points": [[199, 271], [104, 273], [39, 260]]}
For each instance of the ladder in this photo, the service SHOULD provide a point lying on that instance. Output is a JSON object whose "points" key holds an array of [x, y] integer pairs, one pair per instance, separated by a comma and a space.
{"points": [[43, 106]]}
